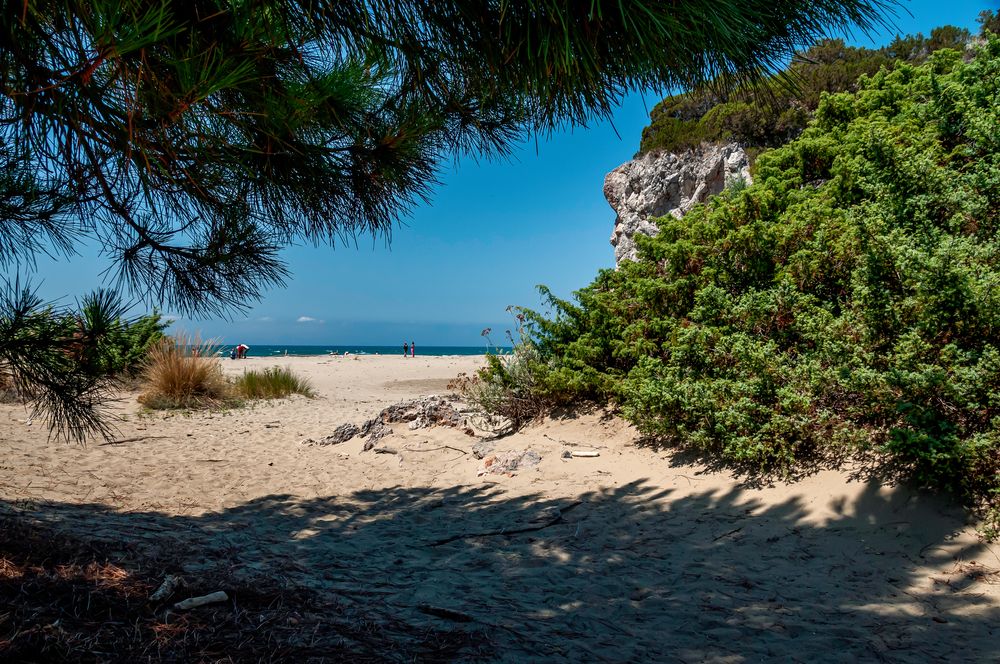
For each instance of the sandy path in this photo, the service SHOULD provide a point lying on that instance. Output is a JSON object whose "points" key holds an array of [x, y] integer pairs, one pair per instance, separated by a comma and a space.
{"points": [[637, 556]]}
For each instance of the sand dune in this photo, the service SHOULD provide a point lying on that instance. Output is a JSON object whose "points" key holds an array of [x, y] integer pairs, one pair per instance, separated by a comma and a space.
{"points": [[633, 555]]}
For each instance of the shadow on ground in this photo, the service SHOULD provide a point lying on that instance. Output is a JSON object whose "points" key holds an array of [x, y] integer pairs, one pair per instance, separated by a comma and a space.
{"points": [[631, 573]]}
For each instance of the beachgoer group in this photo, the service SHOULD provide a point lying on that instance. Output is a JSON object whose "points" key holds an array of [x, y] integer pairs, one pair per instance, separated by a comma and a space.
{"points": [[410, 349]]}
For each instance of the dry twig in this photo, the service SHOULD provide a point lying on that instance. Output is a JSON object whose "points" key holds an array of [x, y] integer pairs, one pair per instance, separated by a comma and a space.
{"points": [[504, 531]]}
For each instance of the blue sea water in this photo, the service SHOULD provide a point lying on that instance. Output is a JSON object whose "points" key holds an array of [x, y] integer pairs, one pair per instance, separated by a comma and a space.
{"points": [[275, 350]]}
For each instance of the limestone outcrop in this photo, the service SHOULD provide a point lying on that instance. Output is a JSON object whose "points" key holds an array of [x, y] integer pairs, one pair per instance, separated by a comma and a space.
{"points": [[657, 184], [419, 413]]}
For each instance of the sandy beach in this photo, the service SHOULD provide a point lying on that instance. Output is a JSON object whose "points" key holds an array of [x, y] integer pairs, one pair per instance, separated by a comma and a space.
{"points": [[636, 554]]}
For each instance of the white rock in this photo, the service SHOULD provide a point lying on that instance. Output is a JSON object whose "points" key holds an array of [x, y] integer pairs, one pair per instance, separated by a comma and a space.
{"points": [[658, 184], [585, 453]]}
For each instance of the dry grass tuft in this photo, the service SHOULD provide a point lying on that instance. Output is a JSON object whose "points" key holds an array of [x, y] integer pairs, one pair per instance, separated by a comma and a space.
{"points": [[184, 372]]}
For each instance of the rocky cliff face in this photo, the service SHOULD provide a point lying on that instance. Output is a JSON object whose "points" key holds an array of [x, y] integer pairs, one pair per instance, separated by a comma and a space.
{"points": [[655, 185]]}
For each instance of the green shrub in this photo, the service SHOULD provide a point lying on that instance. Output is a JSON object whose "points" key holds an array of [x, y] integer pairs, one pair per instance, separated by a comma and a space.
{"points": [[778, 112], [125, 349], [847, 301], [107, 342], [272, 383]]}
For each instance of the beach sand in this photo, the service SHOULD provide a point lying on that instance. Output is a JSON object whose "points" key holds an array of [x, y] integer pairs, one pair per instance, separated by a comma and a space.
{"points": [[638, 554]]}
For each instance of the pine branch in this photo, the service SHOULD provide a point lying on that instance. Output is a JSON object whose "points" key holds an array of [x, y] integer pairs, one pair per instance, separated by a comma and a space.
{"points": [[194, 140]]}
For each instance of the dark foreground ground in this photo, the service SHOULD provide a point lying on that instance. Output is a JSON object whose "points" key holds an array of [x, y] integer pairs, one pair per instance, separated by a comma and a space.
{"points": [[64, 600]]}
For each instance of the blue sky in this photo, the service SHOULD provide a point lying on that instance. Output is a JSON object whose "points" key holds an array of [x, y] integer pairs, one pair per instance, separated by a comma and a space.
{"points": [[492, 232]]}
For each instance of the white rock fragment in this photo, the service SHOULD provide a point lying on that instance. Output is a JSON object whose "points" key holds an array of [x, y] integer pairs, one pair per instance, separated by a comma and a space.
{"points": [[657, 184], [195, 602]]}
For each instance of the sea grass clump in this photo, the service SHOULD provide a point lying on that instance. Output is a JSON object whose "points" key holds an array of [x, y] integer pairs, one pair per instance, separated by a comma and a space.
{"points": [[272, 383]]}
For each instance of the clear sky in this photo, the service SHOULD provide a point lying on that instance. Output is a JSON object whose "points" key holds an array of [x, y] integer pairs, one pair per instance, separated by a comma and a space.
{"points": [[492, 232]]}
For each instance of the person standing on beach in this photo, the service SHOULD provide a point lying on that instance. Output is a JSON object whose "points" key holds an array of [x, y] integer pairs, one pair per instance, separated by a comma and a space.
{"points": [[406, 349], [413, 349]]}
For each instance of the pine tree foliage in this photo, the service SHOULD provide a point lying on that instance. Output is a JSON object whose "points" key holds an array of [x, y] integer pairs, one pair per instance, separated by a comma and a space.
{"points": [[66, 360], [193, 140]]}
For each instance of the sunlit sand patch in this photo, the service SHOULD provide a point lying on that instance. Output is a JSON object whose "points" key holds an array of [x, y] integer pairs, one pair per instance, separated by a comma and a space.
{"points": [[653, 546]]}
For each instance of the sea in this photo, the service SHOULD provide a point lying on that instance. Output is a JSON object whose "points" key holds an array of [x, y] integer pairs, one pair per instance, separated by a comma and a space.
{"points": [[281, 350]]}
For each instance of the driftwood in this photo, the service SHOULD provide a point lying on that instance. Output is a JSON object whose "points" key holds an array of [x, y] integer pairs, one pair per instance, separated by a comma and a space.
{"points": [[447, 614], [505, 531], [130, 440], [167, 588], [195, 602], [434, 449], [727, 534]]}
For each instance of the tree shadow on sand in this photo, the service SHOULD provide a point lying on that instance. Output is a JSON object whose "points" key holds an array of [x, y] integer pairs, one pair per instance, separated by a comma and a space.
{"points": [[630, 573]]}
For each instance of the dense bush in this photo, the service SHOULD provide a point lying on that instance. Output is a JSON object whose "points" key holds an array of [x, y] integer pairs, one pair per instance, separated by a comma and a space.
{"points": [[65, 361], [272, 383], [122, 347], [848, 300], [772, 115], [98, 338]]}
